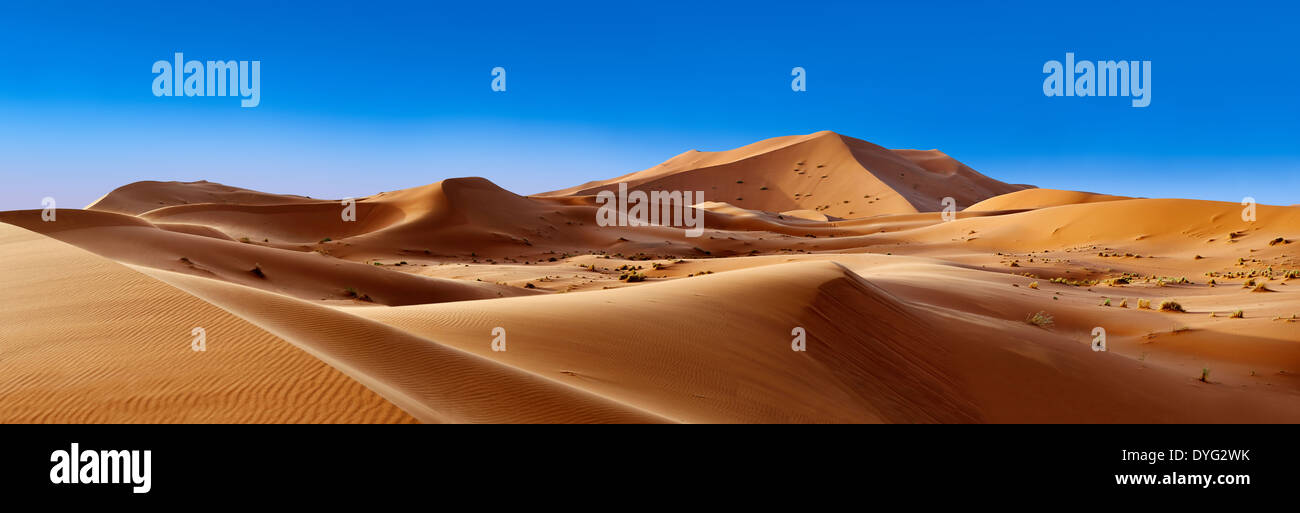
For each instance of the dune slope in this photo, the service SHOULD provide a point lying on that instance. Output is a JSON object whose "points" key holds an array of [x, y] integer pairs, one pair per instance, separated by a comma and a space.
{"points": [[89, 340]]}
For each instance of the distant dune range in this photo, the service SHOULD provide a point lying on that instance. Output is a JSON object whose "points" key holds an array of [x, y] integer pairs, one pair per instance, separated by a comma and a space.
{"points": [[908, 317]]}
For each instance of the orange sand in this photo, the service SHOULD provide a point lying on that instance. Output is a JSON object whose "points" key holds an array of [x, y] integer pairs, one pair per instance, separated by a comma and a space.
{"points": [[908, 317]]}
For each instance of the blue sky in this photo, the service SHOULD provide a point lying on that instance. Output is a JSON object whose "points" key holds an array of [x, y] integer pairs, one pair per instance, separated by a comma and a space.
{"points": [[372, 96]]}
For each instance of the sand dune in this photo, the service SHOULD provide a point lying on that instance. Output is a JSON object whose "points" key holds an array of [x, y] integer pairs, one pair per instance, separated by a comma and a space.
{"points": [[867, 359], [1162, 225], [432, 382], [89, 340], [1039, 198], [910, 315], [293, 272], [823, 172], [710, 365], [140, 197]]}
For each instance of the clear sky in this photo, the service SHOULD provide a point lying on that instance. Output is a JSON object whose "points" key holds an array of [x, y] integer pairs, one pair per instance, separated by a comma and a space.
{"points": [[362, 97]]}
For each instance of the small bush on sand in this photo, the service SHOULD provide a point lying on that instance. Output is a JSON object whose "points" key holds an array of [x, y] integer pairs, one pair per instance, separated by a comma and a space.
{"points": [[1033, 285], [1170, 305], [352, 293], [257, 271], [1123, 303], [1238, 314], [1144, 304], [1040, 319]]}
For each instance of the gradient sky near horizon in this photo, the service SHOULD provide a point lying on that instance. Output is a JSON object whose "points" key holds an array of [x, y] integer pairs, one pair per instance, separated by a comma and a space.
{"points": [[358, 98]]}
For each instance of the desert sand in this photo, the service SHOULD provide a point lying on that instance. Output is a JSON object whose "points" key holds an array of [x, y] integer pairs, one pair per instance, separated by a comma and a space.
{"points": [[987, 315]]}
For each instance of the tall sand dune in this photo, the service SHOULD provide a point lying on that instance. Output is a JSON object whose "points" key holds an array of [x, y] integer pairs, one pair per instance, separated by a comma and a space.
{"points": [[824, 172]]}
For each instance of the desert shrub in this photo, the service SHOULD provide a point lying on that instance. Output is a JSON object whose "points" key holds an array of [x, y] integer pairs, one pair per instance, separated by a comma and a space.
{"points": [[1074, 283], [1040, 319], [352, 293]]}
